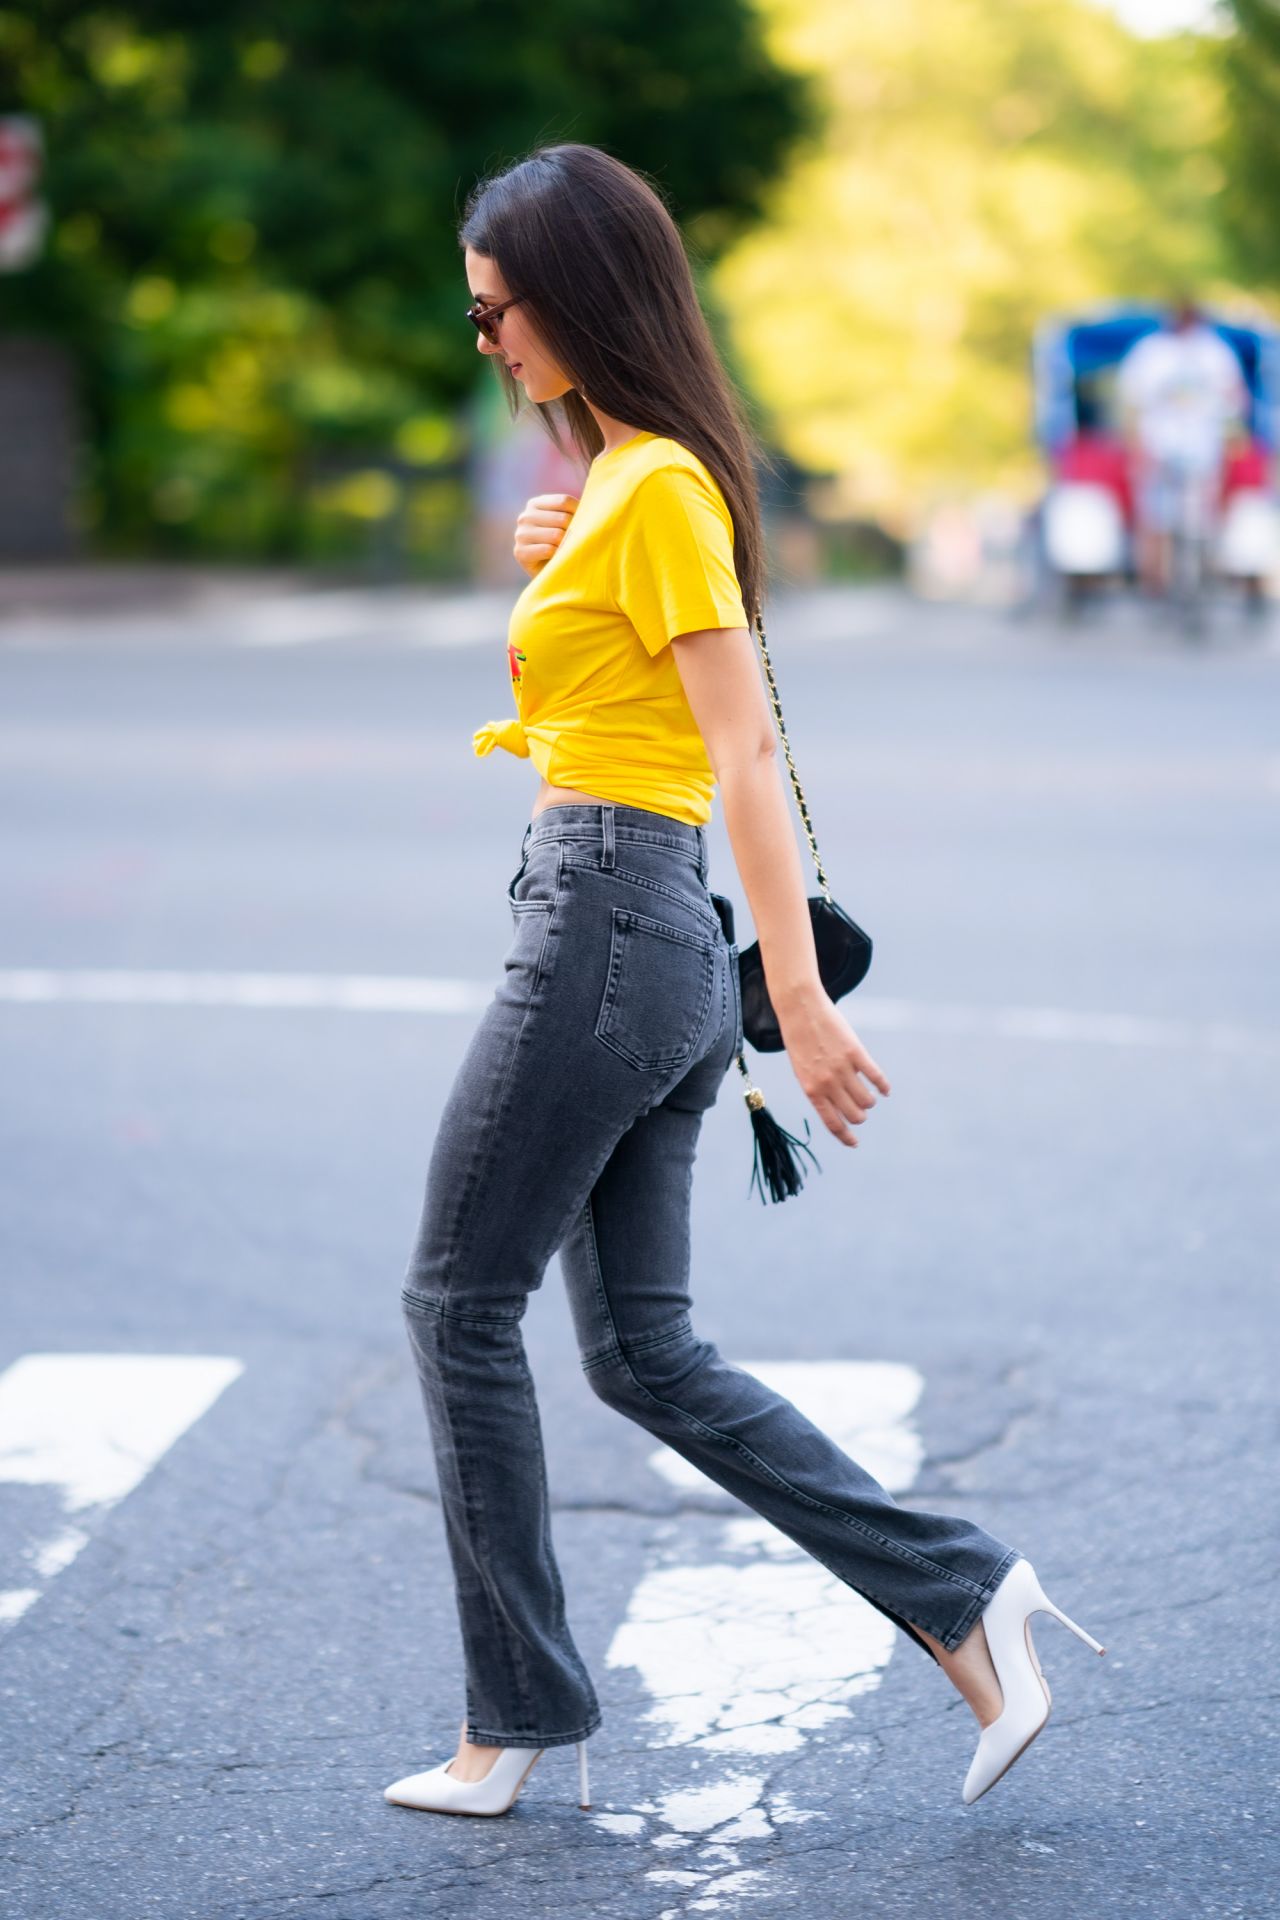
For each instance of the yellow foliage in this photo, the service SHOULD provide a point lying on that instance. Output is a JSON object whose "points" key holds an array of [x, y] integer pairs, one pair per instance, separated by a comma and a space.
{"points": [[427, 437], [150, 299], [191, 409], [120, 59], [367, 495]]}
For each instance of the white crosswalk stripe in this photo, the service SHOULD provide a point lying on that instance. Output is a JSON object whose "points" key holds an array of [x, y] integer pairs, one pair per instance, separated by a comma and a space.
{"points": [[90, 1427], [748, 1652]]}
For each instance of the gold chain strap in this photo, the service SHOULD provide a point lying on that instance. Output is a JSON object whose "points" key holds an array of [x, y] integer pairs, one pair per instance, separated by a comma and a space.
{"points": [[786, 748]]}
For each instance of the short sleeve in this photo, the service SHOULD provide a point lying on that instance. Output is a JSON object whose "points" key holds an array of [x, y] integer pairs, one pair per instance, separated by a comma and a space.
{"points": [[674, 563]]}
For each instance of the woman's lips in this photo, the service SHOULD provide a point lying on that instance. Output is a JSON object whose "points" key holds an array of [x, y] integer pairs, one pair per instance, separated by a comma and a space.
{"points": [[514, 366]]}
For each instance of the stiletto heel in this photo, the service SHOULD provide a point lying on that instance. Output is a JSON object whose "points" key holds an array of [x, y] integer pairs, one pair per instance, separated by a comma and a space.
{"points": [[1006, 1622], [438, 1791], [1047, 1605]]}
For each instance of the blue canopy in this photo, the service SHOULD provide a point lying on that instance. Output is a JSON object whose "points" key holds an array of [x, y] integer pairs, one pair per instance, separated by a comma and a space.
{"points": [[1074, 359]]}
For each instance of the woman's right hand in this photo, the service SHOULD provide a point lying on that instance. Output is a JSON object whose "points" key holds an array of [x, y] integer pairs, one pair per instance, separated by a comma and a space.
{"points": [[540, 527]]}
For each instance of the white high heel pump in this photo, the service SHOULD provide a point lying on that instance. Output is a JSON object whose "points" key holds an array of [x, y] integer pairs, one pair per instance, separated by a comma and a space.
{"points": [[439, 1791], [1006, 1621]]}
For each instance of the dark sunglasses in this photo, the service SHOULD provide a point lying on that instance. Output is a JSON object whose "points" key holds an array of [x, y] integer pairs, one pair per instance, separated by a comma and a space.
{"points": [[484, 318]]}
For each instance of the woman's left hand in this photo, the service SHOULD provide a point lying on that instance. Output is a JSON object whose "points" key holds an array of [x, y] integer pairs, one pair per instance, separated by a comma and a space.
{"points": [[831, 1064]]}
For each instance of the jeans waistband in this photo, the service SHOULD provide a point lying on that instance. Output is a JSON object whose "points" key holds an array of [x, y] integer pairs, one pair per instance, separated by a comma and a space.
{"points": [[603, 823]]}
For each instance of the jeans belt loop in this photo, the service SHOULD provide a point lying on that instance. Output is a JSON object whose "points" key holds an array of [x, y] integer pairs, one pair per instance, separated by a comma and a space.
{"points": [[607, 824]]}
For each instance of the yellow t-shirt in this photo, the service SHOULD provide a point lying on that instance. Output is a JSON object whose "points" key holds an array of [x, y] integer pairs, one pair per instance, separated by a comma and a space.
{"points": [[647, 555]]}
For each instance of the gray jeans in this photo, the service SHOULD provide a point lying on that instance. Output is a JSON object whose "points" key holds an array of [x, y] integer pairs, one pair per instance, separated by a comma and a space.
{"points": [[572, 1125]]}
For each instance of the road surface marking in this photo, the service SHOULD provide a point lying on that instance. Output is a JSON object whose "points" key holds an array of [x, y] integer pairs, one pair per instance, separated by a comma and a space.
{"points": [[420, 993], [90, 1426], [746, 1655]]}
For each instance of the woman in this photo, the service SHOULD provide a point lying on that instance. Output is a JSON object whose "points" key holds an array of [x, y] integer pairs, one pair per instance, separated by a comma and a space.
{"points": [[573, 1120]]}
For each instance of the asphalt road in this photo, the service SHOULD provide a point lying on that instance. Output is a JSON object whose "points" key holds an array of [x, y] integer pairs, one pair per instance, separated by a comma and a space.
{"points": [[252, 899]]}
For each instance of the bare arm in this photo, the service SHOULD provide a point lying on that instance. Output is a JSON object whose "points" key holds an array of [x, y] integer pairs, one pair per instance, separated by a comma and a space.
{"points": [[722, 680]]}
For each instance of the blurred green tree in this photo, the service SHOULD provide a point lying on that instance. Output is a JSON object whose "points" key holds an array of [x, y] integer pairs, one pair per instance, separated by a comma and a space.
{"points": [[253, 253], [1251, 143]]}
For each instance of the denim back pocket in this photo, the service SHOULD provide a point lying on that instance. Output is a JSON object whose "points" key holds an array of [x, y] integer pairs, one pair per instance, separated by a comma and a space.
{"points": [[657, 991]]}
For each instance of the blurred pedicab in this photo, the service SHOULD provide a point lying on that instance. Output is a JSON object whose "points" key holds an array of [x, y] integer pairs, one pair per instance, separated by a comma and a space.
{"points": [[1226, 532]]}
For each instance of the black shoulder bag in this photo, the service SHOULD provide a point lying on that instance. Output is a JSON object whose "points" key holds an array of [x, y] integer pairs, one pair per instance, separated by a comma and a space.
{"points": [[844, 955]]}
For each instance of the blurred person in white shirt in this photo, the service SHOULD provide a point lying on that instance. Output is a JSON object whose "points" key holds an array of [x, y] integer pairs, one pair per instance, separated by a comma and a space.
{"points": [[1183, 397]]}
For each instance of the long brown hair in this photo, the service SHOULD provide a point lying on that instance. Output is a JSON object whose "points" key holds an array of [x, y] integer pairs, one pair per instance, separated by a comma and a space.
{"points": [[605, 278]]}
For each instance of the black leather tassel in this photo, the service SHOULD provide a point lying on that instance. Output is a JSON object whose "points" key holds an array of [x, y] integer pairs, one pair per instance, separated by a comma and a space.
{"points": [[774, 1160]]}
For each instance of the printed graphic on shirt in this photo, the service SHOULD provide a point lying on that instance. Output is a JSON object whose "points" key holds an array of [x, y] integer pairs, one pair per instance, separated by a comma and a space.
{"points": [[514, 661]]}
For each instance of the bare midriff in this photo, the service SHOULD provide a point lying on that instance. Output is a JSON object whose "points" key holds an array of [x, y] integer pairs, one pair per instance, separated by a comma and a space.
{"points": [[549, 796]]}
